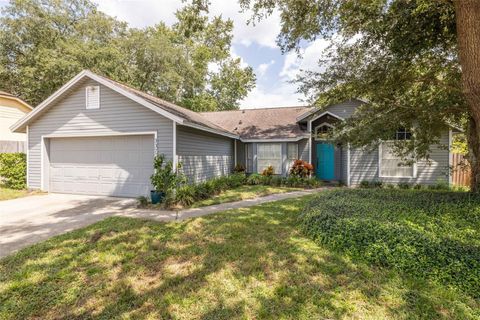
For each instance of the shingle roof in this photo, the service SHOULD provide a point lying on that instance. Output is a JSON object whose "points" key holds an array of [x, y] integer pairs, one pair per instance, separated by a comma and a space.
{"points": [[265, 123], [189, 115]]}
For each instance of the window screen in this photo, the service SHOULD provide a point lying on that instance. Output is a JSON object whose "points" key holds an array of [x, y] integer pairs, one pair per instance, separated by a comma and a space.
{"points": [[249, 155], [269, 154]]}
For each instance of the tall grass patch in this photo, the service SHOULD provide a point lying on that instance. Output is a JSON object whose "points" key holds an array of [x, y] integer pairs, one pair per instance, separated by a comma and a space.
{"points": [[432, 235]]}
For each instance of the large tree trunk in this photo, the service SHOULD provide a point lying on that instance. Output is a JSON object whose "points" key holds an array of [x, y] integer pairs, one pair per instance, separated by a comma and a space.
{"points": [[468, 37]]}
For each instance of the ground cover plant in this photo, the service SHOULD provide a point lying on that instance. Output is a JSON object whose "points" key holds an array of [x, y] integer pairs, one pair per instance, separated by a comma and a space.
{"points": [[252, 263], [427, 234]]}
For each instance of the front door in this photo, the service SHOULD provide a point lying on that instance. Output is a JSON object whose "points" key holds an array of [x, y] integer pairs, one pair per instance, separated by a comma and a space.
{"points": [[325, 169]]}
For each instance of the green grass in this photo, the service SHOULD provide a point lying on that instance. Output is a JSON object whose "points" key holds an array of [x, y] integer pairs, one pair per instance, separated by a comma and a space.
{"points": [[7, 194], [243, 193], [247, 263]]}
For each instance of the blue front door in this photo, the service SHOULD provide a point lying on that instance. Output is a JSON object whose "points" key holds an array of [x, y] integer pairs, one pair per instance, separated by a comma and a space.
{"points": [[325, 169]]}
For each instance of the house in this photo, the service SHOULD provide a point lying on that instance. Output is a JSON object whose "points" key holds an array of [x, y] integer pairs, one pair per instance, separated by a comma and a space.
{"points": [[12, 109], [97, 136]]}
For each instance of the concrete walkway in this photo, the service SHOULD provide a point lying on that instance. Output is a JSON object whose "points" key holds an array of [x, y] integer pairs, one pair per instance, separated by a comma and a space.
{"points": [[25, 221]]}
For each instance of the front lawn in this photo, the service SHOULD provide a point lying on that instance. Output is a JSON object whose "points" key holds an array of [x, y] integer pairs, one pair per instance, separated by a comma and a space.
{"points": [[243, 193], [246, 263], [7, 194]]}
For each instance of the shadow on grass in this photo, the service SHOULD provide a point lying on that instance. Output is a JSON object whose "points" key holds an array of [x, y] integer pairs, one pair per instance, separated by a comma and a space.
{"points": [[247, 263]]}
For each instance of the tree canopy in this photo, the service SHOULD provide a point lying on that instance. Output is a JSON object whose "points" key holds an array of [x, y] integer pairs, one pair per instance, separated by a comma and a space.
{"points": [[400, 56], [44, 43]]}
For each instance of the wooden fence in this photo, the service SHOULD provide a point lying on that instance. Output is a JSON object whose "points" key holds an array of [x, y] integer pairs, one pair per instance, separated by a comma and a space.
{"points": [[460, 170], [12, 146]]}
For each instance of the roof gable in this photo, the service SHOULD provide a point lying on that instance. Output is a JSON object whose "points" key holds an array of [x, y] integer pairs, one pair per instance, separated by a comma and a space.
{"points": [[169, 110], [341, 110]]}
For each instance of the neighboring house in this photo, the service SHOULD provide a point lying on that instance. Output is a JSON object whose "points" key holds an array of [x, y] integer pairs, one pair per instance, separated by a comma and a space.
{"points": [[98, 136], [12, 109]]}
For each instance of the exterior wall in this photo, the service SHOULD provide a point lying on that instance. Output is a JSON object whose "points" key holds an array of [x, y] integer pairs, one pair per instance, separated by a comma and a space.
{"points": [[365, 166], [203, 155], [10, 112], [344, 160], [345, 109], [117, 114]]}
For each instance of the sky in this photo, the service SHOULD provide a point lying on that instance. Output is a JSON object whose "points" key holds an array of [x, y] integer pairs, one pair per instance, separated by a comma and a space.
{"points": [[255, 45]]}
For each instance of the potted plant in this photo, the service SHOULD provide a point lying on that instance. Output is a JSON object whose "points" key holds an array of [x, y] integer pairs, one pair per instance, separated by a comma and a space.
{"points": [[165, 179]]}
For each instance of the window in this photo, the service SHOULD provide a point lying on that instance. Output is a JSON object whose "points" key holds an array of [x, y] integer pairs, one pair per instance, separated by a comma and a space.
{"points": [[249, 156], [391, 165], [269, 154], [322, 131], [92, 94], [292, 151], [402, 134]]}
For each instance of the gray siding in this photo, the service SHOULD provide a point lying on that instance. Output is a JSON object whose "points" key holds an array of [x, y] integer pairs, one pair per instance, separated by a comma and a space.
{"points": [[13, 146], [203, 155], [117, 114], [344, 109], [364, 166], [344, 160]]}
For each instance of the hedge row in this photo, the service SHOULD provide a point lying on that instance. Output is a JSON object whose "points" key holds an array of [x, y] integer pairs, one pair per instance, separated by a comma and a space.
{"points": [[186, 195], [428, 234]]}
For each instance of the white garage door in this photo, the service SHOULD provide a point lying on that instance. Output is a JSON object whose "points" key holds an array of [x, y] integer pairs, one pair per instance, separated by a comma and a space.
{"points": [[115, 166]]}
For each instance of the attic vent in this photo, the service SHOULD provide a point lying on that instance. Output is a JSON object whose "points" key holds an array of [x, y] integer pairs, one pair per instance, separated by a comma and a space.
{"points": [[92, 97]]}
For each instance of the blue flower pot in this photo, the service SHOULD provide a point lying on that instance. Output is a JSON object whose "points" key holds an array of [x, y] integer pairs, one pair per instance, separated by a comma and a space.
{"points": [[157, 196]]}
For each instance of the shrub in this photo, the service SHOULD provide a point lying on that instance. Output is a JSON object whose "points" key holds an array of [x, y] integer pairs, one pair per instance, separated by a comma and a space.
{"points": [[13, 170], [424, 234], [186, 195], [301, 169], [239, 168], [268, 171], [254, 179], [376, 184], [405, 185], [165, 178], [364, 184], [440, 185], [142, 202]]}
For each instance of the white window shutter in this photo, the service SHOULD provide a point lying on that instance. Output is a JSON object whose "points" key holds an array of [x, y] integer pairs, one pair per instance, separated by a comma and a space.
{"points": [[92, 97]]}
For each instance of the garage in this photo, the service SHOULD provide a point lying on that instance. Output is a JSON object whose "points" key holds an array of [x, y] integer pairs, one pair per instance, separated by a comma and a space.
{"points": [[103, 165]]}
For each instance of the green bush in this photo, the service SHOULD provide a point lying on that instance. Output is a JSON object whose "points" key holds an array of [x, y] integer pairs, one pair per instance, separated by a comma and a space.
{"points": [[186, 195], [13, 170], [426, 234], [254, 179], [405, 185]]}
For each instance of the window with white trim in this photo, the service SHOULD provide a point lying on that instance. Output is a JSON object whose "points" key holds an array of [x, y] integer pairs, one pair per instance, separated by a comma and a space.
{"points": [[292, 153], [323, 131], [392, 165], [269, 154], [249, 156], [92, 97]]}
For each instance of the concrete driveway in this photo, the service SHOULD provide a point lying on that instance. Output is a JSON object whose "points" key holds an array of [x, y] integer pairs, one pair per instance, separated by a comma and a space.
{"points": [[25, 221]]}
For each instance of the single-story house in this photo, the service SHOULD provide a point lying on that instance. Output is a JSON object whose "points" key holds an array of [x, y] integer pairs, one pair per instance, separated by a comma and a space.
{"points": [[12, 109], [97, 136]]}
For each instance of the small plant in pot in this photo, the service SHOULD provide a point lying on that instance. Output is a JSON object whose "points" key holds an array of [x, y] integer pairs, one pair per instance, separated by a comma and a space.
{"points": [[165, 179]]}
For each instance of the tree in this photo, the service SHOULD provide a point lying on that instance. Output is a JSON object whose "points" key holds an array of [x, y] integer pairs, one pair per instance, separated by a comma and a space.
{"points": [[407, 58], [45, 43]]}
